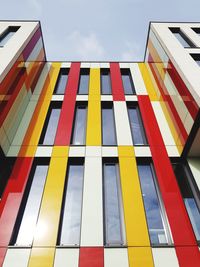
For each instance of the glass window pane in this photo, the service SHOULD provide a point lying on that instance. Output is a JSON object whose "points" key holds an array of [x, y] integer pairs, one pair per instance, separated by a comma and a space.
{"points": [[112, 205], [152, 206], [79, 126], [105, 83], [137, 129], [62, 82], [84, 82], [70, 231], [5, 37], [108, 126], [127, 82], [183, 177], [184, 40]]}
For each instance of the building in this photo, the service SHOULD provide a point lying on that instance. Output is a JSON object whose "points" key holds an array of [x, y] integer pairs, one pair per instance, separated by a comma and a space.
{"points": [[100, 161]]}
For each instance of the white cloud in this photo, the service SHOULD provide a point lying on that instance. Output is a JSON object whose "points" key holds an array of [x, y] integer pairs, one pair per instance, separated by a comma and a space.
{"points": [[131, 51]]}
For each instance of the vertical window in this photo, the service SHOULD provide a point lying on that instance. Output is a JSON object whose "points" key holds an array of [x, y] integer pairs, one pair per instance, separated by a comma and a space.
{"points": [[61, 82], [137, 129], [182, 38], [79, 131], [108, 125], [156, 220], [105, 82], [190, 195], [72, 203], [5, 37], [51, 123], [84, 82], [113, 211], [128, 85]]}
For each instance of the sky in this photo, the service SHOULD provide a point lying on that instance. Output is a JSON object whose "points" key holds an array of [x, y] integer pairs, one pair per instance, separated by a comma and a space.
{"points": [[103, 30]]}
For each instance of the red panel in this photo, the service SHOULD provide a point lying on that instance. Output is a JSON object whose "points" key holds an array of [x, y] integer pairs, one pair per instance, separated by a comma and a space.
{"points": [[116, 82], [188, 256], [12, 197], [173, 202], [91, 257], [63, 134], [2, 255]]}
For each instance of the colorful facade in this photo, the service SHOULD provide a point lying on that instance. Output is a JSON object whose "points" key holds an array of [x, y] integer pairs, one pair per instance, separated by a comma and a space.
{"points": [[99, 161]]}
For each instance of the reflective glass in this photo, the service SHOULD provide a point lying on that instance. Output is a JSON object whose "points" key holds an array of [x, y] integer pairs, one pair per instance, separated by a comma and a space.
{"points": [[128, 83], [62, 81], [105, 83], [83, 84], [79, 126], [108, 126]]}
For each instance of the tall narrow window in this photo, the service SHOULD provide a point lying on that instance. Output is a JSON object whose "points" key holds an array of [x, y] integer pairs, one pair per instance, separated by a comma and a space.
{"points": [[79, 132], [190, 196], [156, 219], [113, 211], [29, 210], [108, 125], [105, 82], [51, 123], [61, 82], [182, 38], [128, 85], [137, 129], [5, 37], [84, 82], [72, 203]]}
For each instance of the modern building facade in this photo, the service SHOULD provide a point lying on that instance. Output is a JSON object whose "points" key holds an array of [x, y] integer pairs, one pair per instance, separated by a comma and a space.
{"points": [[100, 161]]}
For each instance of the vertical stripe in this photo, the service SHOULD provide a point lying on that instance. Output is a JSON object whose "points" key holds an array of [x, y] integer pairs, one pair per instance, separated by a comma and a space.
{"points": [[116, 257], [136, 226], [41, 257], [66, 257], [65, 124], [116, 82], [17, 258], [194, 164], [188, 256], [140, 257], [165, 257], [138, 80], [93, 137], [91, 256]]}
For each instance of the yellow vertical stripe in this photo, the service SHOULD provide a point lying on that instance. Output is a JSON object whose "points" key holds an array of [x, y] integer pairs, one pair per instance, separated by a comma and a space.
{"points": [[135, 221], [140, 257], [93, 137], [42, 257]]}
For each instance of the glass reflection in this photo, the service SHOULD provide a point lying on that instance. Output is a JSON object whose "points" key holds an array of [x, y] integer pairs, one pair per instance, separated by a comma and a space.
{"points": [[62, 81], [83, 83], [108, 126], [105, 83], [127, 82], [80, 125]]}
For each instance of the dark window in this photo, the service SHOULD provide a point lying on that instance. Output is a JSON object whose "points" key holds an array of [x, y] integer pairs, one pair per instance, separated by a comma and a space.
{"points": [[153, 206], [137, 129], [113, 213], [7, 34], [61, 82], [190, 195], [196, 30], [108, 124], [196, 58], [105, 82], [51, 123], [79, 131], [128, 85], [84, 82], [182, 38]]}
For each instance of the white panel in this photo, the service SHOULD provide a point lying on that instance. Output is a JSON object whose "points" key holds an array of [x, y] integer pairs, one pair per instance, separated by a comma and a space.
{"points": [[66, 65], [105, 65], [92, 217], [140, 87], [116, 257], [77, 151], [95, 65], [82, 97], [124, 65], [165, 257], [106, 98], [109, 151], [131, 98], [85, 65], [172, 151], [16, 258], [66, 257], [43, 151], [93, 151], [142, 151], [192, 35], [57, 97], [13, 151], [194, 164], [122, 124]]}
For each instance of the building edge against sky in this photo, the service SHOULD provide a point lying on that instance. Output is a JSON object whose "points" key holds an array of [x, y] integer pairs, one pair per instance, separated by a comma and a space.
{"points": [[100, 160]]}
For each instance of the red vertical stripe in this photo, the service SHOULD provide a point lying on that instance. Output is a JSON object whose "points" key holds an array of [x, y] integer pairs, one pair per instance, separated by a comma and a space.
{"points": [[2, 255], [181, 228], [64, 130], [189, 256], [93, 256], [116, 82]]}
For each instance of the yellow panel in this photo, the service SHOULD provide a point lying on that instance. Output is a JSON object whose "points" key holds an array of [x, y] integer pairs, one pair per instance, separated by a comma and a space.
{"points": [[48, 220], [140, 257], [41, 257], [27, 151], [93, 136], [60, 151], [135, 221], [148, 82], [125, 151]]}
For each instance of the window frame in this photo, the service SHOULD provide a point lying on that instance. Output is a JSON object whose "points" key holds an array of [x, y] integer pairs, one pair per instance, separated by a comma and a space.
{"points": [[178, 30], [9, 29]]}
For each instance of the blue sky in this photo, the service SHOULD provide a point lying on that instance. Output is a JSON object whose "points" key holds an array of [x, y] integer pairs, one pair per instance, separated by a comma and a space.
{"points": [[98, 30]]}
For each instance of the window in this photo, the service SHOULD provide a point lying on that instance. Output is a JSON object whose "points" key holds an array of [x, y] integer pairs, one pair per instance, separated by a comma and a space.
{"points": [[51, 123], [108, 125], [156, 220], [190, 195], [137, 129], [61, 82], [196, 58], [196, 30], [7, 34], [72, 205], [128, 85], [79, 131], [84, 82], [113, 211], [105, 82], [182, 38]]}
